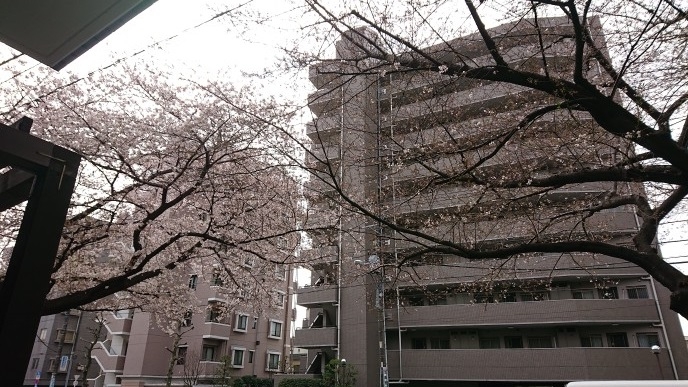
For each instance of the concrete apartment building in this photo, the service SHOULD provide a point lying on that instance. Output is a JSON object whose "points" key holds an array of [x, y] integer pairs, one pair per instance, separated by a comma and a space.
{"points": [[134, 351], [58, 353], [446, 321]]}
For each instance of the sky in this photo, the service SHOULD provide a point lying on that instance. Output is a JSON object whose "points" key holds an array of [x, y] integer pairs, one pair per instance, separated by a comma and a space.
{"points": [[183, 33]]}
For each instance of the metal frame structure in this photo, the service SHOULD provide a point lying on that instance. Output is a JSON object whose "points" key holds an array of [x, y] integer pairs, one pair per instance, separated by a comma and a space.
{"points": [[44, 175]]}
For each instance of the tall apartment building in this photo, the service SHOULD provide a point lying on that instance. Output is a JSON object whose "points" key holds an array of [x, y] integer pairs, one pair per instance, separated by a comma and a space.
{"points": [[227, 334], [543, 319]]}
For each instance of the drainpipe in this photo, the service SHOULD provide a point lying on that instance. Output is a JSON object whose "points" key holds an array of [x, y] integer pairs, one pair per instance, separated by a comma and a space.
{"points": [[340, 257], [666, 337]]}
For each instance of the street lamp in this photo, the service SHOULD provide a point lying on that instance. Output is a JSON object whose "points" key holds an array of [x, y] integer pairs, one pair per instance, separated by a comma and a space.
{"points": [[343, 377], [655, 349]]}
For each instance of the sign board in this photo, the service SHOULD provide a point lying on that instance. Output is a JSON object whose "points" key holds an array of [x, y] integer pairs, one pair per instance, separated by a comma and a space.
{"points": [[64, 363]]}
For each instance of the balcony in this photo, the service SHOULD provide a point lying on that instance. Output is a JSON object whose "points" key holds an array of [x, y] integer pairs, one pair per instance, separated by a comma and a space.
{"points": [[550, 364], [323, 127], [117, 325], [316, 296], [316, 337], [568, 312], [108, 360], [217, 331], [320, 257]]}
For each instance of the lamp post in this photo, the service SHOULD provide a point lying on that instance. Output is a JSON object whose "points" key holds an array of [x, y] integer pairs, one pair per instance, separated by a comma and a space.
{"points": [[343, 377], [656, 350]]}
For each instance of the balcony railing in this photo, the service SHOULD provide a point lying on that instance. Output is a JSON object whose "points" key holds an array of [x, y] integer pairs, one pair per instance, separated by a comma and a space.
{"points": [[529, 312], [316, 296], [316, 337], [108, 359], [550, 364]]}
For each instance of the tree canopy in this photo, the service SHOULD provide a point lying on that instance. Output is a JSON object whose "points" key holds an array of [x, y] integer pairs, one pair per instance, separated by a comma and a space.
{"points": [[177, 177]]}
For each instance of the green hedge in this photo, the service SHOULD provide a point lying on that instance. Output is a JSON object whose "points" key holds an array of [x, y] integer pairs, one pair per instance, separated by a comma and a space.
{"points": [[300, 383], [252, 381]]}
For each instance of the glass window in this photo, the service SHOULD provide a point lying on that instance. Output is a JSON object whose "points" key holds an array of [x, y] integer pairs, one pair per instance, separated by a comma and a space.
{"points": [[540, 342], [181, 355], [214, 313], [193, 281], [250, 356], [617, 339], [34, 363], [186, 320], [489, 343], [513, 342], [534, 296], [273, 361], [437, 300], [208, 352], [591, 341], [281, 271], [583, 294], [241, 323], [415, 300], [610, 293], [238, 357], [418, 343], [275, 329], [43, 334], [439, 343], [216, 279], [66, 338], [637, 292], [279, 299], [647, 339], [483, 298]]}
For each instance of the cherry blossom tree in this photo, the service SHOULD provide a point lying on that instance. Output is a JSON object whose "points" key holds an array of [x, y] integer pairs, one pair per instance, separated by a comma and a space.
{"points": [[176, 175], [586, 96]]}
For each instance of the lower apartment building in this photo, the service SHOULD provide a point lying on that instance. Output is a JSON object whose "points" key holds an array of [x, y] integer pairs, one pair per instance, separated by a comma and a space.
{"points": [[227, 337], [401, 316]]}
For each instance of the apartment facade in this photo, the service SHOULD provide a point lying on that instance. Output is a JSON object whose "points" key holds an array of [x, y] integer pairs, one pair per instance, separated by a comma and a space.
{"points": [[60, 349], [227, 335], [441, 320]]}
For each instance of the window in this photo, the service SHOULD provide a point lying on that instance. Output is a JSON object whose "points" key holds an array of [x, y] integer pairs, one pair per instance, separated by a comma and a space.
{"points": [[418, 343], [437, 300], [534, 296], [483, 298], [583, 294], [591, 341], [43, 334], [637, 292], [610, 293], [216, 279], [275, 329], [279, 299], [255, 323], [647, 339], [540, 342], [66, 338], [617, 339], [214, 312], [186, 320], [513, 342], [241, 323], [273, 361], [208, 352], [250, 356], [34, 363], [281, 271], [193, 281], [489, 343], [181, 355], [438, 343], [238, 357]]}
